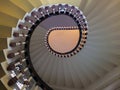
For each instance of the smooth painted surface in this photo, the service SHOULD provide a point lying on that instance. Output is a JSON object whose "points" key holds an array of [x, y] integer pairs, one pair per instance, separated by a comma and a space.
{"points": [[63, 41]]}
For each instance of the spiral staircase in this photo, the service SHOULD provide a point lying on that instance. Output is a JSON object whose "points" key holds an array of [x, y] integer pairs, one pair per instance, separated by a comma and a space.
{"points": [[95, 67]]}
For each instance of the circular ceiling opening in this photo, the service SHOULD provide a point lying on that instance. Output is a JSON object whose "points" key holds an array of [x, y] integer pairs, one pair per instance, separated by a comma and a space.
{"points": [[63, 40]]}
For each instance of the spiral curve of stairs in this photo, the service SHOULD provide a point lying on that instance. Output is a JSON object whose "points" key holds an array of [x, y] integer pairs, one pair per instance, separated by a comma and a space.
{"points": [[95, 67]]}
